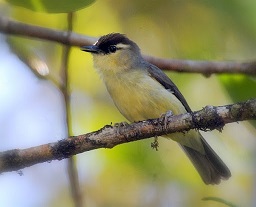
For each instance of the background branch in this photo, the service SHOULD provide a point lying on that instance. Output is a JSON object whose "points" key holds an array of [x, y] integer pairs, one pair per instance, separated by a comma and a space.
{"points": [[206, 67], [208, 118], [65, 88]]}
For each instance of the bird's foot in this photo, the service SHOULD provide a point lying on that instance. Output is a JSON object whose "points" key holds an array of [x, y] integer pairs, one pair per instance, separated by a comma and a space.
{"points": [[165, 118], [119, 127]]}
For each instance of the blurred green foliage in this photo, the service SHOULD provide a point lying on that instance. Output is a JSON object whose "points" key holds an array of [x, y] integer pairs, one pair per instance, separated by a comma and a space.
{"points": [[133, 174], [240, 87], [52, 6]]}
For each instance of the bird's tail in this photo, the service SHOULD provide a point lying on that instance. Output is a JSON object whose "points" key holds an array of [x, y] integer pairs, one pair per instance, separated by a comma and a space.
{"points": [[209, 165]]}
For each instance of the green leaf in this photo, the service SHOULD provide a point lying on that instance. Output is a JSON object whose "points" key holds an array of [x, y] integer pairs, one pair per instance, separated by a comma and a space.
{"points": [[239, 87], [220, 200], [52, 6]]}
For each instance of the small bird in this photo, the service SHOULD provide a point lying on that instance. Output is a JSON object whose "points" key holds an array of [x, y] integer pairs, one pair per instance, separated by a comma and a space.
{"points": [[141, 91]]}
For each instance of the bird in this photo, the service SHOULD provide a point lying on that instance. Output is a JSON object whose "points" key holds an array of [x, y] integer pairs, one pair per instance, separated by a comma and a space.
{"points": [[140, 91]]}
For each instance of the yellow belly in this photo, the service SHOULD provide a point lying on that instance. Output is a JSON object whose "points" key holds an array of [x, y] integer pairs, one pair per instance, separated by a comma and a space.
{"points": [[139, 97]]}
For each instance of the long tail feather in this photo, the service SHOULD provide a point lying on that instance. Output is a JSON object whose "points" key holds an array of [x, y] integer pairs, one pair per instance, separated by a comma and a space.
{"points": [[209, 165]]}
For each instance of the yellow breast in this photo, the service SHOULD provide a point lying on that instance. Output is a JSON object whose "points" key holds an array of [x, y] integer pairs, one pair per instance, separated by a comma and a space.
{"points": [[138, 96]]}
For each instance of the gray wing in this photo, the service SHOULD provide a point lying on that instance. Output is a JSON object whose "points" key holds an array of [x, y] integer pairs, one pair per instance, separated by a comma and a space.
{"points": [[209, 165], [162, 78]]}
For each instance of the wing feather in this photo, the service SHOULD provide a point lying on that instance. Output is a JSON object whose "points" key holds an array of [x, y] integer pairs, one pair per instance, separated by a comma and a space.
{"points": [[164, 80]]}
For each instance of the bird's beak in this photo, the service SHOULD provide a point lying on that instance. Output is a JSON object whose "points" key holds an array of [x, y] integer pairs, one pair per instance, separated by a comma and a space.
{"points": [[91, 49]]}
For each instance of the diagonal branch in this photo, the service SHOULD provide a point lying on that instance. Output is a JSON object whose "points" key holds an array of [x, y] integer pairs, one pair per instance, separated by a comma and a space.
{"points": [[208, 118], [12, 27]]}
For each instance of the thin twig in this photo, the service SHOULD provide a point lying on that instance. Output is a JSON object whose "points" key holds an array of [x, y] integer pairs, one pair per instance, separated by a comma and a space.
{"points": [[71, 167], [219, 200], [12, 27], [208, 118]]}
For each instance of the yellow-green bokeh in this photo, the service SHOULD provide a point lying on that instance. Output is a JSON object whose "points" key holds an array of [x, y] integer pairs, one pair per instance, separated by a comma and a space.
{"points": [[133, 174]]}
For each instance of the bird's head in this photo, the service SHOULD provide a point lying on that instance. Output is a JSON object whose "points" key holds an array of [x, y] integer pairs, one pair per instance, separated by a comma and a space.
{"points": [[113, 53]]}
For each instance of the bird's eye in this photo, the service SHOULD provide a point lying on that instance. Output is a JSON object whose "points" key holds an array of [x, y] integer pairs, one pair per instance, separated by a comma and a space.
{"points": [[112, 48]]}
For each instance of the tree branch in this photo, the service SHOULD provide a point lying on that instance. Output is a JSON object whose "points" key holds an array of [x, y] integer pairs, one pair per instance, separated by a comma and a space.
{"points": [[208, 118], [65, 88], [12, 27], [205, 67]]}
